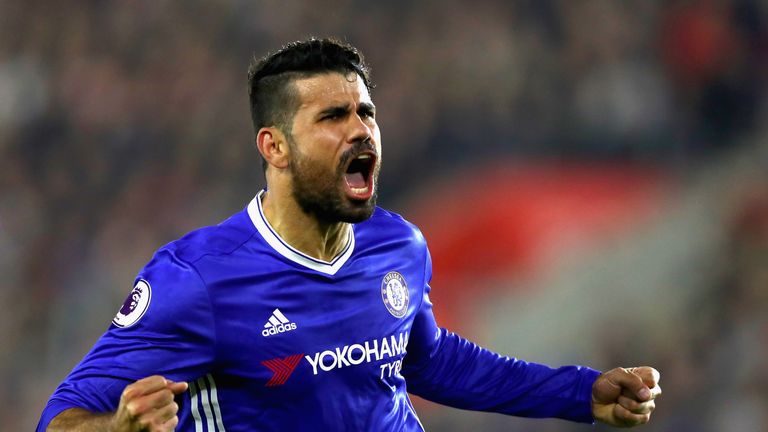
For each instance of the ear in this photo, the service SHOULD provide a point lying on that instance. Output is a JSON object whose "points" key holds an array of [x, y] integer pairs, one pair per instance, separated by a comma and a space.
{"points": [[273, 147]]}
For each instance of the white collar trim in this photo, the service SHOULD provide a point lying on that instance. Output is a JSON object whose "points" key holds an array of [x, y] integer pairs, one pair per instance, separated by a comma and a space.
{"points": [[256, 213]]}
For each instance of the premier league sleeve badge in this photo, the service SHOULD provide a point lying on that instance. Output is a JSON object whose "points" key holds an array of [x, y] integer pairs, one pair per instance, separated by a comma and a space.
{"points": [[135, 305]]}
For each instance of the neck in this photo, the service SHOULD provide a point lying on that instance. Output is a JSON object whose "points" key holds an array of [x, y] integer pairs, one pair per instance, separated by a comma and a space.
{"points": [[304, 232]]}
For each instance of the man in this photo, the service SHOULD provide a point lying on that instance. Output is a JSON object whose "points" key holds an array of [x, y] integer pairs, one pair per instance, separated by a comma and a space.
{"points": [[310, 310]]}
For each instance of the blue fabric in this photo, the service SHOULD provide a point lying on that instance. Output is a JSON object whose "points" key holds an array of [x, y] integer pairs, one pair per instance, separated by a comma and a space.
{"points": [[344, 340]]}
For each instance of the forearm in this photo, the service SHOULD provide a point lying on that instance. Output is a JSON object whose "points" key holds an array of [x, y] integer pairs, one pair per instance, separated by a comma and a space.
{"points": [[80, 420], [463, 375]]}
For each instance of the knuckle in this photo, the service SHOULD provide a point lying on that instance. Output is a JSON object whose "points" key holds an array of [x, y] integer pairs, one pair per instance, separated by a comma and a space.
{"points": [[132, 409], [162, 398], [171, 425], [127, 392], [153, 380], [144, 422], [627, 403], [643, 408], [168, 396]]}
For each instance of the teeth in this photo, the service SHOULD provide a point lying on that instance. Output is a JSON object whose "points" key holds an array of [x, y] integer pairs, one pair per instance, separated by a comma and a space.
{"points": [[365, 156], [361, 190]]}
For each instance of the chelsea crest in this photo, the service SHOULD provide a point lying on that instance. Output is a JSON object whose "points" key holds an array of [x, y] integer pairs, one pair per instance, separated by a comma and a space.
{"points": [[394, 293]]}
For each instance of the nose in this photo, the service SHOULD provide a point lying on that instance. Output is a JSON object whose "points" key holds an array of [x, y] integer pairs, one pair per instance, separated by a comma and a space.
{"points": [[360, 130]]}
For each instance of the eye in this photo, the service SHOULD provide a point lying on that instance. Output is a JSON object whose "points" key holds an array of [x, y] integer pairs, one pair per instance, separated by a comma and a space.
{"points": [[333, 114]]}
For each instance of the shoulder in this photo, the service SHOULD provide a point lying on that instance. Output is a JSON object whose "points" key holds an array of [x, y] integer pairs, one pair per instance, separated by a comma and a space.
{"points": [[178, 262], [393, 226], [171, 285], [222, 239]]}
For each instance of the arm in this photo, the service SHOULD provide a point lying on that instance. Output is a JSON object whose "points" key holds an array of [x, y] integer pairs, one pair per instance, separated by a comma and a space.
{"points": [[144, 405], [80, 420], [445, 368], [143, 364]]}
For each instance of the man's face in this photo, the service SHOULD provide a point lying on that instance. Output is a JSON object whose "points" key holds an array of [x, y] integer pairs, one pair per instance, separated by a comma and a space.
{"points": [[335, 148]]}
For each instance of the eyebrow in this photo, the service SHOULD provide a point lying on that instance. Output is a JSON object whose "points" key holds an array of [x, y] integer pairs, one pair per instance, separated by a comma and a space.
{"points": [[344, 109], [334, 110], [368, 106]]}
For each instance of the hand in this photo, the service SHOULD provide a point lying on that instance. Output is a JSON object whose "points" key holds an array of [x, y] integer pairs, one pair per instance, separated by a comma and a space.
{"points": [[147, 405], [625, 397]]}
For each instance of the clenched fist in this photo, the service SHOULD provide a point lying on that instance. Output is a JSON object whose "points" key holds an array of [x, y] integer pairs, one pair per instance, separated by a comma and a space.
{"points": [[625, 397], [148, 406]]}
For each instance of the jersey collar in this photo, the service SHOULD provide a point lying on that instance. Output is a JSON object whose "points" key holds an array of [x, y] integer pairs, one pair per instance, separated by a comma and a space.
{"points": [[256, 213]]}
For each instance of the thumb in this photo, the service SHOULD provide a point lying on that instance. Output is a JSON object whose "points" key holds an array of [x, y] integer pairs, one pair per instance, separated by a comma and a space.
{"points": [[605, 391], [611, 384], [177, 387]]}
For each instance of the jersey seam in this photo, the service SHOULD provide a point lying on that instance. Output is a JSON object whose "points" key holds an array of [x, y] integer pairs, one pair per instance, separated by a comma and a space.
{"points": [[426, 282], [193, 265], [220, 253], [213, 312]]}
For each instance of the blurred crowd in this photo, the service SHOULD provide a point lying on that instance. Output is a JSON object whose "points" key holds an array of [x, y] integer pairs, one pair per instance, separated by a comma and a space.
{"points": [[713, 359], [125, 124]]}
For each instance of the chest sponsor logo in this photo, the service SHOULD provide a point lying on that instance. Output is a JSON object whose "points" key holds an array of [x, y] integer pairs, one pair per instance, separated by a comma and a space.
{"points": [[277, 323], [394, 293], [135, 305], [390, 349], [281, 368]]}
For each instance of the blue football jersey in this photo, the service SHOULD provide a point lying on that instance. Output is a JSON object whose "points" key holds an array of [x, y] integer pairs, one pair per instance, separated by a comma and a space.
{"points": [[270, 339]]}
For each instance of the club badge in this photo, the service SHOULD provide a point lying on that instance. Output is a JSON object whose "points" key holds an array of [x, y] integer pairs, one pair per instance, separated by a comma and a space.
{"points": [[394, 293]]}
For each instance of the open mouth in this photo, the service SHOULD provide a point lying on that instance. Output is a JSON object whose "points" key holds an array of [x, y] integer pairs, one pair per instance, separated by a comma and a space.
{"points": [[359, 176]]}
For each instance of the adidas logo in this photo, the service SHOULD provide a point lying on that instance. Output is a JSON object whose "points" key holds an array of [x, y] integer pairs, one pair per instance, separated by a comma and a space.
{"points": [[277, 323]]}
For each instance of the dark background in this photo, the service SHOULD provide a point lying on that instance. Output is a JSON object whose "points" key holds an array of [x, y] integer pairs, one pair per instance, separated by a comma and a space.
{"points": [[591, 176]]}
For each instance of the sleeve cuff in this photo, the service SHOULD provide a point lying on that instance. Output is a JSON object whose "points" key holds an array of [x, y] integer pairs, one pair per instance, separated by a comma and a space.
{"points": [[52, 409], [585, 396]]}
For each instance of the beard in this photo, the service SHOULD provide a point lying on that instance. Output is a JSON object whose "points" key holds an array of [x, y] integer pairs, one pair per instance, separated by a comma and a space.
{"points": [[320, 193]]}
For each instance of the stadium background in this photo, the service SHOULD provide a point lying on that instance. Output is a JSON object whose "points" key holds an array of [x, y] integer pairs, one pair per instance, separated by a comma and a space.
{"points": [[592, 176]]}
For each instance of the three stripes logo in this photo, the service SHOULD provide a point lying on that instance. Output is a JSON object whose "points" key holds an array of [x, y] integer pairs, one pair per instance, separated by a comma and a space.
{"points": [[277, 323], [204, 402], [282, 368]]}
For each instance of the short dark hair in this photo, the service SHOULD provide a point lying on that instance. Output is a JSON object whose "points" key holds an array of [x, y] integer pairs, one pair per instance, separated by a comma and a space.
{"points": [[273, 99]]}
